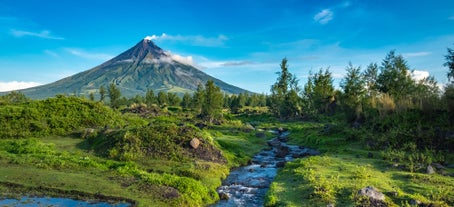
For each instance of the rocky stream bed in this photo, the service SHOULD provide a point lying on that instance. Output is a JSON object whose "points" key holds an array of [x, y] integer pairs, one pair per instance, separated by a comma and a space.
{"points": [[247, 185]]}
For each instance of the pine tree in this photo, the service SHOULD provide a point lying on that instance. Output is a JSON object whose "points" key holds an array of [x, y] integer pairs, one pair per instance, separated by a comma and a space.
{"points": [[186, 101], [212, 104], [450, 64], [102, 93], [285, 102], [354, 89], [198, 98], [114, 95], [150, 98]]}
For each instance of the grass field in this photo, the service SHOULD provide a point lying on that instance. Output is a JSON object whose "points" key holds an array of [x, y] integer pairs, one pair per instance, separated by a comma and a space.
{"points": [[345, 167]]}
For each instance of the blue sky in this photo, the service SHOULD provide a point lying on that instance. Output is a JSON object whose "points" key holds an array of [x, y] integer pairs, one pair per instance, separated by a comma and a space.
{"points": [[240, 41]]}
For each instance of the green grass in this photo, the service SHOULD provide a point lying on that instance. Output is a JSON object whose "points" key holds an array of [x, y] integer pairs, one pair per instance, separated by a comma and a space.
{"points": [[344, 168], [68, 167]]}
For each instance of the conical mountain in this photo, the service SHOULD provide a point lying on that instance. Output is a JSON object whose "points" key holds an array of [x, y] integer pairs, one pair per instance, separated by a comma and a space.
{"points": [[142, 67]]}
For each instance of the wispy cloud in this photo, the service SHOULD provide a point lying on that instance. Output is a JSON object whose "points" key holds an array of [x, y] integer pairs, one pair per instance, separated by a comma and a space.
{"points": [[182, 59], [196, 40], [451, 17], [51, 53], [324, 16], [416, 54], [45, 34], [236, 63], [88, 55], [16, 85]]}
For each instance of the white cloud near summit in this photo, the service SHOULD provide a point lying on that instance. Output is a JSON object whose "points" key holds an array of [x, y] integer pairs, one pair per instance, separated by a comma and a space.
{"points": [[324, 16], [196, 40], [182, 59]]}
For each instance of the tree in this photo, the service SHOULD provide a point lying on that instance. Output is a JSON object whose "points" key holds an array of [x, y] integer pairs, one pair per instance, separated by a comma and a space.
{"points": [[450, 64], [284, 102], [370, 78], [91, 96], [162, 99], [114, 95], [394, 77], [186, 101], [198, 99], [322, 90], [354, 89], [14, 97], [212, 105], [102, 93], [173, 99], [150, 98]]}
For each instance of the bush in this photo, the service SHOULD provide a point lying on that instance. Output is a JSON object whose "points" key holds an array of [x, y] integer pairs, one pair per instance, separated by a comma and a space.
{"points": [[59, 116]]}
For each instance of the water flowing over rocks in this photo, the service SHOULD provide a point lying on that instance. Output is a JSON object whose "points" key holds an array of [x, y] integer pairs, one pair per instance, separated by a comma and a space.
{"points": [[247, 185]]}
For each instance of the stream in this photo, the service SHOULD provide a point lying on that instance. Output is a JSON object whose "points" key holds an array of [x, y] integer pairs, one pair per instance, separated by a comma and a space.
{"points": [[247, 185]]}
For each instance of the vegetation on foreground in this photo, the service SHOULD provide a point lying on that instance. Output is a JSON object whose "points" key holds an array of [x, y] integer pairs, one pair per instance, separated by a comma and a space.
{"points": [[383, 129]]}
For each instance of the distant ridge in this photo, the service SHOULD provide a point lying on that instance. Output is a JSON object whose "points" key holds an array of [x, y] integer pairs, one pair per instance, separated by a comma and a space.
{"points": [[142, 67]]}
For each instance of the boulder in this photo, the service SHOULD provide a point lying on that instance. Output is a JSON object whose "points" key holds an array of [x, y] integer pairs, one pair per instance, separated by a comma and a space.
{"points": [[375, 197], [430, 170], [194, 143]]}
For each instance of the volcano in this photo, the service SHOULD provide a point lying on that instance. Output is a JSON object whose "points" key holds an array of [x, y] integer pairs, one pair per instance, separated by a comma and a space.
{"points": [[144, 66]]}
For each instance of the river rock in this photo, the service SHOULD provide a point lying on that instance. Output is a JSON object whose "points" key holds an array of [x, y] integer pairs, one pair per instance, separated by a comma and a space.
{"points": [[376, 198], [280, 164], [430, 170], [224, 196], [274, 142], [194, 143], [282, 151]]}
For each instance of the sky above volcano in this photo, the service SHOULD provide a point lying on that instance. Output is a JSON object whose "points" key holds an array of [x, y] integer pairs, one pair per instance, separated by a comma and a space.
{"points": [[241, 42]]}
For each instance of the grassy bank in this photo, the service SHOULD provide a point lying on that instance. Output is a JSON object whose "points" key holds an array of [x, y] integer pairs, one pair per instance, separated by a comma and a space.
{"points": [[69, 167], [347, 166]]}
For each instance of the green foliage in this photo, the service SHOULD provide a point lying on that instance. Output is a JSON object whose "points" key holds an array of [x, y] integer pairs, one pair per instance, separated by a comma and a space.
{"points": [[60, 115], [212, 104], [450, 64], [394, 77], [285, 101], [354, 89], [102, 94], [114, 95], [157, 140], [319, 92], [13, 98]]}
